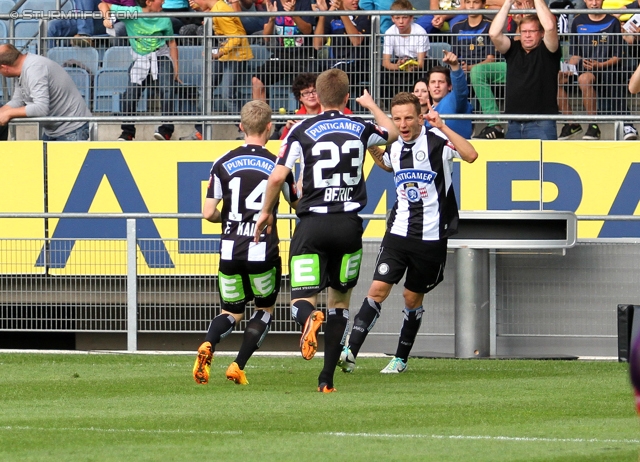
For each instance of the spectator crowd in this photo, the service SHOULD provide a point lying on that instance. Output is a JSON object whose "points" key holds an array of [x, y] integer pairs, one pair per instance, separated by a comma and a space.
{"points": [[494, 63]]}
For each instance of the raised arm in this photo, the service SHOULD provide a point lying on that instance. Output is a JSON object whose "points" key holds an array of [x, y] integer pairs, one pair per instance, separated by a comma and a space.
{"points": [[465, 149], [549, 24], [367, 102], [501, 41]]}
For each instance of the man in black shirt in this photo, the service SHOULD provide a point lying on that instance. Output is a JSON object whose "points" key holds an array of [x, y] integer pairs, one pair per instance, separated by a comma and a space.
{"points": [[326, 248], [248, 270], [533, 64]]}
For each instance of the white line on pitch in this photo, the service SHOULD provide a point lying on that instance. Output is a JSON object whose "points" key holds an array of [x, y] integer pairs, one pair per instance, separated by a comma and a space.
{"points": [[339, 434]]}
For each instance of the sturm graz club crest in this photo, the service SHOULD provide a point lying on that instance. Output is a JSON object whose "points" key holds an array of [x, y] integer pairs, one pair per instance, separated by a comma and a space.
{"points": [[420, 156], [413, 193], [383, 268]]}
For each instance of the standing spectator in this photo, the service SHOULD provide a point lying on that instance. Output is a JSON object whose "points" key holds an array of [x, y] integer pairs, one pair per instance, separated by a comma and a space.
{"points": [[248, 270], [176, 6], [349, 36], [471, 38], [304, 91], [634, 82], [533, 64], [230, 61], [43, 89], [596, 51], [448, 92], [293, 50], [326, 248], [423, 217], [155, 61], [252, 24], [84, 29], [406, 46], [483, 76], [434, 24]]}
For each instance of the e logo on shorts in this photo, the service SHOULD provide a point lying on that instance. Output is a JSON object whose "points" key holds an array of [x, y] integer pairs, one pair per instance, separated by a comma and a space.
{"points": [[231, 289], [350, 269], [305, 270]]}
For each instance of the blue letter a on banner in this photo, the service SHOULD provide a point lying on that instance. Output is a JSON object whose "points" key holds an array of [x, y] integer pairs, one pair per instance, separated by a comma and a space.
{"points": [[107, 163]]}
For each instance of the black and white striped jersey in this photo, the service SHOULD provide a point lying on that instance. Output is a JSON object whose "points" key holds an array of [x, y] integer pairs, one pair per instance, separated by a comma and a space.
{"points": [[426, 206], [239, 178], [331, 148]]}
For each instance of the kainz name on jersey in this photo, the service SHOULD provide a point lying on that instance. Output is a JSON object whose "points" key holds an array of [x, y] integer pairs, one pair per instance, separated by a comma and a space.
{"points": [[411, 176], [243, 228], [249, 162], [332, 126], [338, 194]]}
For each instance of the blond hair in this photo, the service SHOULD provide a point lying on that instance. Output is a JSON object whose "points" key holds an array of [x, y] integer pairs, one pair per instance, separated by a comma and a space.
{"points": [[254, 117]]}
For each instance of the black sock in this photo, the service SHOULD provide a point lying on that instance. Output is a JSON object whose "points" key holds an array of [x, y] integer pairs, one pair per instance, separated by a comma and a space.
{"points": [[363, 323], [335, 333], [254, 334], [301, 310], [410, 328], [220, 327]]}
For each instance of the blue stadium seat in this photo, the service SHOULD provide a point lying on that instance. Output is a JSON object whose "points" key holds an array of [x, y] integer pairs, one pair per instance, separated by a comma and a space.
{"points": [[190, 62], [82, 79], [6, 6], [117, 58], [87, 56], [109, 86], [39, 5], [26, 33], [3, 30], [436, 49]]}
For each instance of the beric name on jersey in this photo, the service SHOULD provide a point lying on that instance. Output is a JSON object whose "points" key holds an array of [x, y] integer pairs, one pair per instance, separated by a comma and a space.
{"points": [[331, 149], [240, 178], [426, 206]]}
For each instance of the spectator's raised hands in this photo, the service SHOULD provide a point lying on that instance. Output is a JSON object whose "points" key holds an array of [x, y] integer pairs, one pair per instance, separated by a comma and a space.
{"points": [[271, 6], [288, 5], [322, 5], [451, 59]]}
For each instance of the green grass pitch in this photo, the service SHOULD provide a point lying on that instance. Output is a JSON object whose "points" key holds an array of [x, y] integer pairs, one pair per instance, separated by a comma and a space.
{"points": [[103, 407]]}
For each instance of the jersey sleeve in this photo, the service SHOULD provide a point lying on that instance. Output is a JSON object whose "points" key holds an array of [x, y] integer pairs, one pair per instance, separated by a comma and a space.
{"points": [[290, 149], [376, 135], [214, 190], [289, 189], [448, 150]]}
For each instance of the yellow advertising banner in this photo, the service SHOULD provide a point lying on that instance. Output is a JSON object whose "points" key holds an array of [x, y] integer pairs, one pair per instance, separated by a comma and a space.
{"points": [[172, 177]]}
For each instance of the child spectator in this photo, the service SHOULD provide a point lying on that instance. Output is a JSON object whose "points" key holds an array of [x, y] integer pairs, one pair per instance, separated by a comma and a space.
{"points": [[349, 36], [471, 41], [596, 51], [231, 58], [155, 60], [293, 50], [406, 45]]}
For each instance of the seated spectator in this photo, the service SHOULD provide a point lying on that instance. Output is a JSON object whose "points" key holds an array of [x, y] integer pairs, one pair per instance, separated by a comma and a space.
{"points": [[83, 29], [485, 75], [251, 24], [448, 93], [43, 89], [230, 59], [349, 35], [440, 22], [405, 49], [155, 61], [596, 51], [176, 6], [381, 5], [471, 41], [293, 49], [304, 90]]}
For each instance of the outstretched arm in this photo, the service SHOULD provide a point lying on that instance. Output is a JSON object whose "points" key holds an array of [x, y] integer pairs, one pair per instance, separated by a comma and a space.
{"points": [[274, 186], [501, 41], [367, 102]]}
